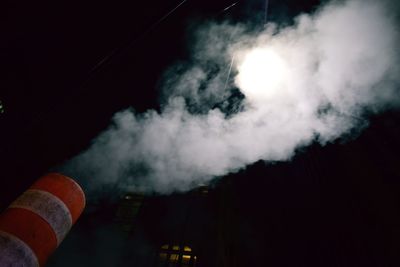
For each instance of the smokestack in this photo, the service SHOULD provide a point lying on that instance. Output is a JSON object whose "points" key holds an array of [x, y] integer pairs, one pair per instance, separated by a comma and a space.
{"points": [[33, 226]]}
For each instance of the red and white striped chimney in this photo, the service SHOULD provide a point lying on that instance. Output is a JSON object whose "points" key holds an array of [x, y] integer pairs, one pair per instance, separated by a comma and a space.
{"points": [[34, 225]]}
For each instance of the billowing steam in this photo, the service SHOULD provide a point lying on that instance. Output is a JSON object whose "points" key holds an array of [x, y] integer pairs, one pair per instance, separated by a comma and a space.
{"points": [[313, 81]]}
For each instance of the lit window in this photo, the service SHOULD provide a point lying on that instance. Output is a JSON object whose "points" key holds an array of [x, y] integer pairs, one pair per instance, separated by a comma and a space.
{"points": [[174, 258], [175, 255]]}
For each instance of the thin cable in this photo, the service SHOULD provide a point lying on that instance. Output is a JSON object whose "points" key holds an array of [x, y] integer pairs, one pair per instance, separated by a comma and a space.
{"points": [[266, 12], [233, 57], [229, 72], [154, 25], [123, 46], [39, 116], [168, 14], [229, 7]]}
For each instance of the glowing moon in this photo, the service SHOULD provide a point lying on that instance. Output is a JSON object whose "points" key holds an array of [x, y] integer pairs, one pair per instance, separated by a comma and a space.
{"points": [[261, 73]]}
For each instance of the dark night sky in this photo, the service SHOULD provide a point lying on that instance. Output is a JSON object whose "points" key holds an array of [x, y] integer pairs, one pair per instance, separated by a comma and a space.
{"points": [[54, 105]]}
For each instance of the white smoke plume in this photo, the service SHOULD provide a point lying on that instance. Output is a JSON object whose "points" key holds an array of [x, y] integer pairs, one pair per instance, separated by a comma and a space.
{"points": [[313, 81]]}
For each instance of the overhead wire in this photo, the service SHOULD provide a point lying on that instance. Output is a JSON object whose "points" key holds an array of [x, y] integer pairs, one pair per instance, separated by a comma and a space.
{"points": [[266, 12], [125, 45], [229, 7], [229, 72], [233, 56], [131, 42], [39, 115]]}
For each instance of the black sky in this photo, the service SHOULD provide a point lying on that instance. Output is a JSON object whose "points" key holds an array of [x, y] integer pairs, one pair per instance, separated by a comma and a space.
{"points": [[55, 103]]}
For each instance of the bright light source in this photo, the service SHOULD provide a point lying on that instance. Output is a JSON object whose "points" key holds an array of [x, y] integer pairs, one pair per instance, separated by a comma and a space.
{"points": [[261, 73]]}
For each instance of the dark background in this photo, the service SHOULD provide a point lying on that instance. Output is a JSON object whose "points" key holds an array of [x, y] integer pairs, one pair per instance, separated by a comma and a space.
{"points": [[55, 95], [336, 205]]}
